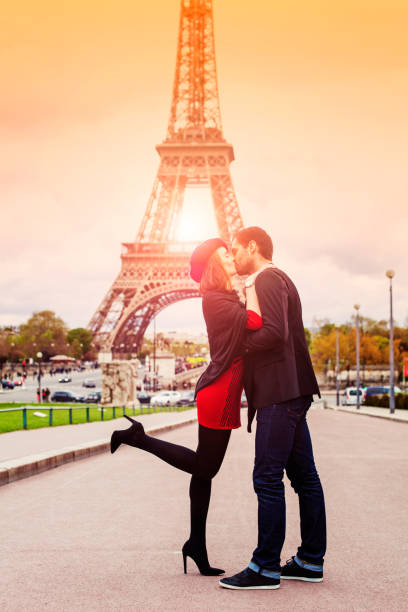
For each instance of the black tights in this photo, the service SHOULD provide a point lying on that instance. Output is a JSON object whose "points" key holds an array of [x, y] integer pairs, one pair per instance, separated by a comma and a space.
{"points": [[203, 464]]}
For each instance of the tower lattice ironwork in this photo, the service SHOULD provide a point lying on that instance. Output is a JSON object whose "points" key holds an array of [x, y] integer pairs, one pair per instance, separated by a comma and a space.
{"points": [[155, 268]]}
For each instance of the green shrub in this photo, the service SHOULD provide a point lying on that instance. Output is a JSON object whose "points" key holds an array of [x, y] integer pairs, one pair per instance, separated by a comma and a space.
{"points": [[401, 401], [383, 401]]}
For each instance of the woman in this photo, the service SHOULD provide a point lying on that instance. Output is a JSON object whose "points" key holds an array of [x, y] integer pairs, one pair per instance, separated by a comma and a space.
{"points": [[218, 391]]}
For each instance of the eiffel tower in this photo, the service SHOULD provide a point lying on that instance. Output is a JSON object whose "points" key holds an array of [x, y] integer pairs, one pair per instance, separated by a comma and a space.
{"points": [[155, 268]]}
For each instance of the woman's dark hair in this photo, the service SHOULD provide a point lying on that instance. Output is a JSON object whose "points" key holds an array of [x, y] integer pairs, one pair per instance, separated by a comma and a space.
{"points": [[258, 235], [214, 277]]}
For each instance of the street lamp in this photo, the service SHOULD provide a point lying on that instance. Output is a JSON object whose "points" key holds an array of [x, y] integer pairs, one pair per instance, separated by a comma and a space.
{"points": [[12, 357], [154, 352], [357, 308], [337, 368], [390, 274], [39, 355]]}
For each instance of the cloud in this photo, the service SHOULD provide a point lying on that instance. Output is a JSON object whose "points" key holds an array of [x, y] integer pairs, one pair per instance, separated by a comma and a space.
{"points": [[316, 114]]}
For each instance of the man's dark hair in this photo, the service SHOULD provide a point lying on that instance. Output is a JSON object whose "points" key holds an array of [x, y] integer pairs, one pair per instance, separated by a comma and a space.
{"points": [[258, 235]]}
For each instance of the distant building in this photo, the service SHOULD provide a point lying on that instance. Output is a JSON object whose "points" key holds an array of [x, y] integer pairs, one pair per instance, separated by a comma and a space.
{"points": [[165, 366], [368, 374], [183, 336]]}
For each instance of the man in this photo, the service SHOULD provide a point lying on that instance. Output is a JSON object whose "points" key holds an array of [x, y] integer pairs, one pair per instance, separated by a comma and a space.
{"points": [[279, 384]]}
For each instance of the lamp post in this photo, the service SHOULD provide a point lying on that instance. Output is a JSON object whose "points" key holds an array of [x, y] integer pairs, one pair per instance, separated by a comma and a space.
{"points": [[53, 354], [39, 355], [12, 360], [357, 308], [154, 353], [390, 274], [337, 369]]}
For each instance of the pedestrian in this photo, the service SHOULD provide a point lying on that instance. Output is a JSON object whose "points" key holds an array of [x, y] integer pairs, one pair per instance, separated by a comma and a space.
{"points": [[279, 384], [38, 394], [218, 391]]}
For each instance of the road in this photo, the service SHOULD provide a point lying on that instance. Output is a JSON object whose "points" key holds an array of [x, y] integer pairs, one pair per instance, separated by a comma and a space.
{"points": [[106, 533], [28, 392]]}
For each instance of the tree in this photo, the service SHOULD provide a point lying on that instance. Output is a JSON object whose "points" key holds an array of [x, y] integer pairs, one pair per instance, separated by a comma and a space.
{"points": [[375, 328], [4, 346], [401, 333], [44, 332], [146, 349], [374, 349], [80, 340], [323, 348]]}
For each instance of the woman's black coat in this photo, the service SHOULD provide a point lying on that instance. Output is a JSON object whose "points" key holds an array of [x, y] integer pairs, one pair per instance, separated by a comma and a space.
{"points": [[226, 318]]}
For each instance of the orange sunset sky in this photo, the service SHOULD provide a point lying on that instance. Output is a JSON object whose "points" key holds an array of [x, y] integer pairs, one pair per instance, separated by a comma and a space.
{"points": [[314, 99]]}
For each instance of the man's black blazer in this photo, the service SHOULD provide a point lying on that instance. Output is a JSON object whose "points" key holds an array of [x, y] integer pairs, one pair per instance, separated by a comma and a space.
{"points": [[277, 364]]}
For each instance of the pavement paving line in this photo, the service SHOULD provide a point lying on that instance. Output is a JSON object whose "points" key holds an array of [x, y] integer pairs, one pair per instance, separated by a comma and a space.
{"points": [[16, 469], [362, 412]]}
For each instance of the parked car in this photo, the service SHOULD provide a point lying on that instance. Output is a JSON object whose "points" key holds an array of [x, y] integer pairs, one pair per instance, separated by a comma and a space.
{"points": [[65, 379], [144, 398], [396, 389], [89, 383], [7, 384], [92, 398], [65, 396], [349, 397], [380, 390], [186, 399], [165, 398], [371, 391]]}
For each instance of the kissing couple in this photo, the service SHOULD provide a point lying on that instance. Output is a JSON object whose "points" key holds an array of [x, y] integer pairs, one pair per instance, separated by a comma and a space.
{"points": [[259, 346]]}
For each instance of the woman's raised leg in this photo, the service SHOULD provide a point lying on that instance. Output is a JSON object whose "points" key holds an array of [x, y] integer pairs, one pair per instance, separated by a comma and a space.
{"points": [[204, 462]]}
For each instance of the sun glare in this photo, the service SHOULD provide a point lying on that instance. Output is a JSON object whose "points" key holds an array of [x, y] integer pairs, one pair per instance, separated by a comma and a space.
{"points": [[197, 221]]}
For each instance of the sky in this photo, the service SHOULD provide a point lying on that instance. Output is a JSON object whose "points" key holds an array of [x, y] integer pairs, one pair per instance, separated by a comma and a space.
{"points": [[314, 99]]}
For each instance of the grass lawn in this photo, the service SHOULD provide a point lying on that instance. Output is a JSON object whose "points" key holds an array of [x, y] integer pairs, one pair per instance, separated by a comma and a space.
{"points": [[12, 421]]}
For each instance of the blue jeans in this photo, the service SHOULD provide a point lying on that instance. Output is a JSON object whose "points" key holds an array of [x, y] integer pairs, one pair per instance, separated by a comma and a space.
{"points": [[283, 443]]}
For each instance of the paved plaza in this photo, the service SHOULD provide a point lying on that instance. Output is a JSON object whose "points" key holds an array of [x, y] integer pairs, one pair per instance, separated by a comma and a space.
{"points": [[106, 533]]}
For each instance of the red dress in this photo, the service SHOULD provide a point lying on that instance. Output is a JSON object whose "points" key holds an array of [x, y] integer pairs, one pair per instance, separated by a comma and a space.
{"points": [[219, 404]]}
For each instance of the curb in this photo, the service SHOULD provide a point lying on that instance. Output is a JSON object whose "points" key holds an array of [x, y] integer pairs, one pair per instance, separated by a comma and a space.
{"points": [[387, 417], [16, 469]]}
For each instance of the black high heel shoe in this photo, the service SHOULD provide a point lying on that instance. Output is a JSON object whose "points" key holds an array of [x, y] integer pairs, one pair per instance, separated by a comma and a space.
{"points": [[132, 436], [199, 556]]}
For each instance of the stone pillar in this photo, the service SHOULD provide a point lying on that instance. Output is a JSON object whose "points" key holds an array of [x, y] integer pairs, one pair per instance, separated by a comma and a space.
{"points": [[119, 383]]}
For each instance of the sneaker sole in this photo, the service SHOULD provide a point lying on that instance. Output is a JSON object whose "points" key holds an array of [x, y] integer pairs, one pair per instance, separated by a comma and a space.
{"points": [[253, 588], [301, 578]]}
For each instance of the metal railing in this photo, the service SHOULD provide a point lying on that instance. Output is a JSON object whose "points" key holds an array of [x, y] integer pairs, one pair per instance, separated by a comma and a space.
{"points": [[121, 409]]}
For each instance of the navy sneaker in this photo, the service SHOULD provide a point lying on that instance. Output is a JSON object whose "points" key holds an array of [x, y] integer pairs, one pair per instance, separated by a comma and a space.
{"points": [[293, 571], [248, 579]]}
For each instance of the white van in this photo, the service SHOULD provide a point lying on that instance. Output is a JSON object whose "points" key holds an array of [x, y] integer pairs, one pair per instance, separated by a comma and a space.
{"points": [[165, 398], [349, 397]]}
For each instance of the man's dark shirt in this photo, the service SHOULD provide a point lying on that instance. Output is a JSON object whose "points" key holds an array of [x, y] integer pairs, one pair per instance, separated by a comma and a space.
{"points": [[277, 365]]}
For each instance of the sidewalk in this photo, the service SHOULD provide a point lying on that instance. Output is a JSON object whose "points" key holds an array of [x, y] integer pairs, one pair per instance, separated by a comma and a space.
{"points": [[400, 416], [105, 535], [25, 453]]}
